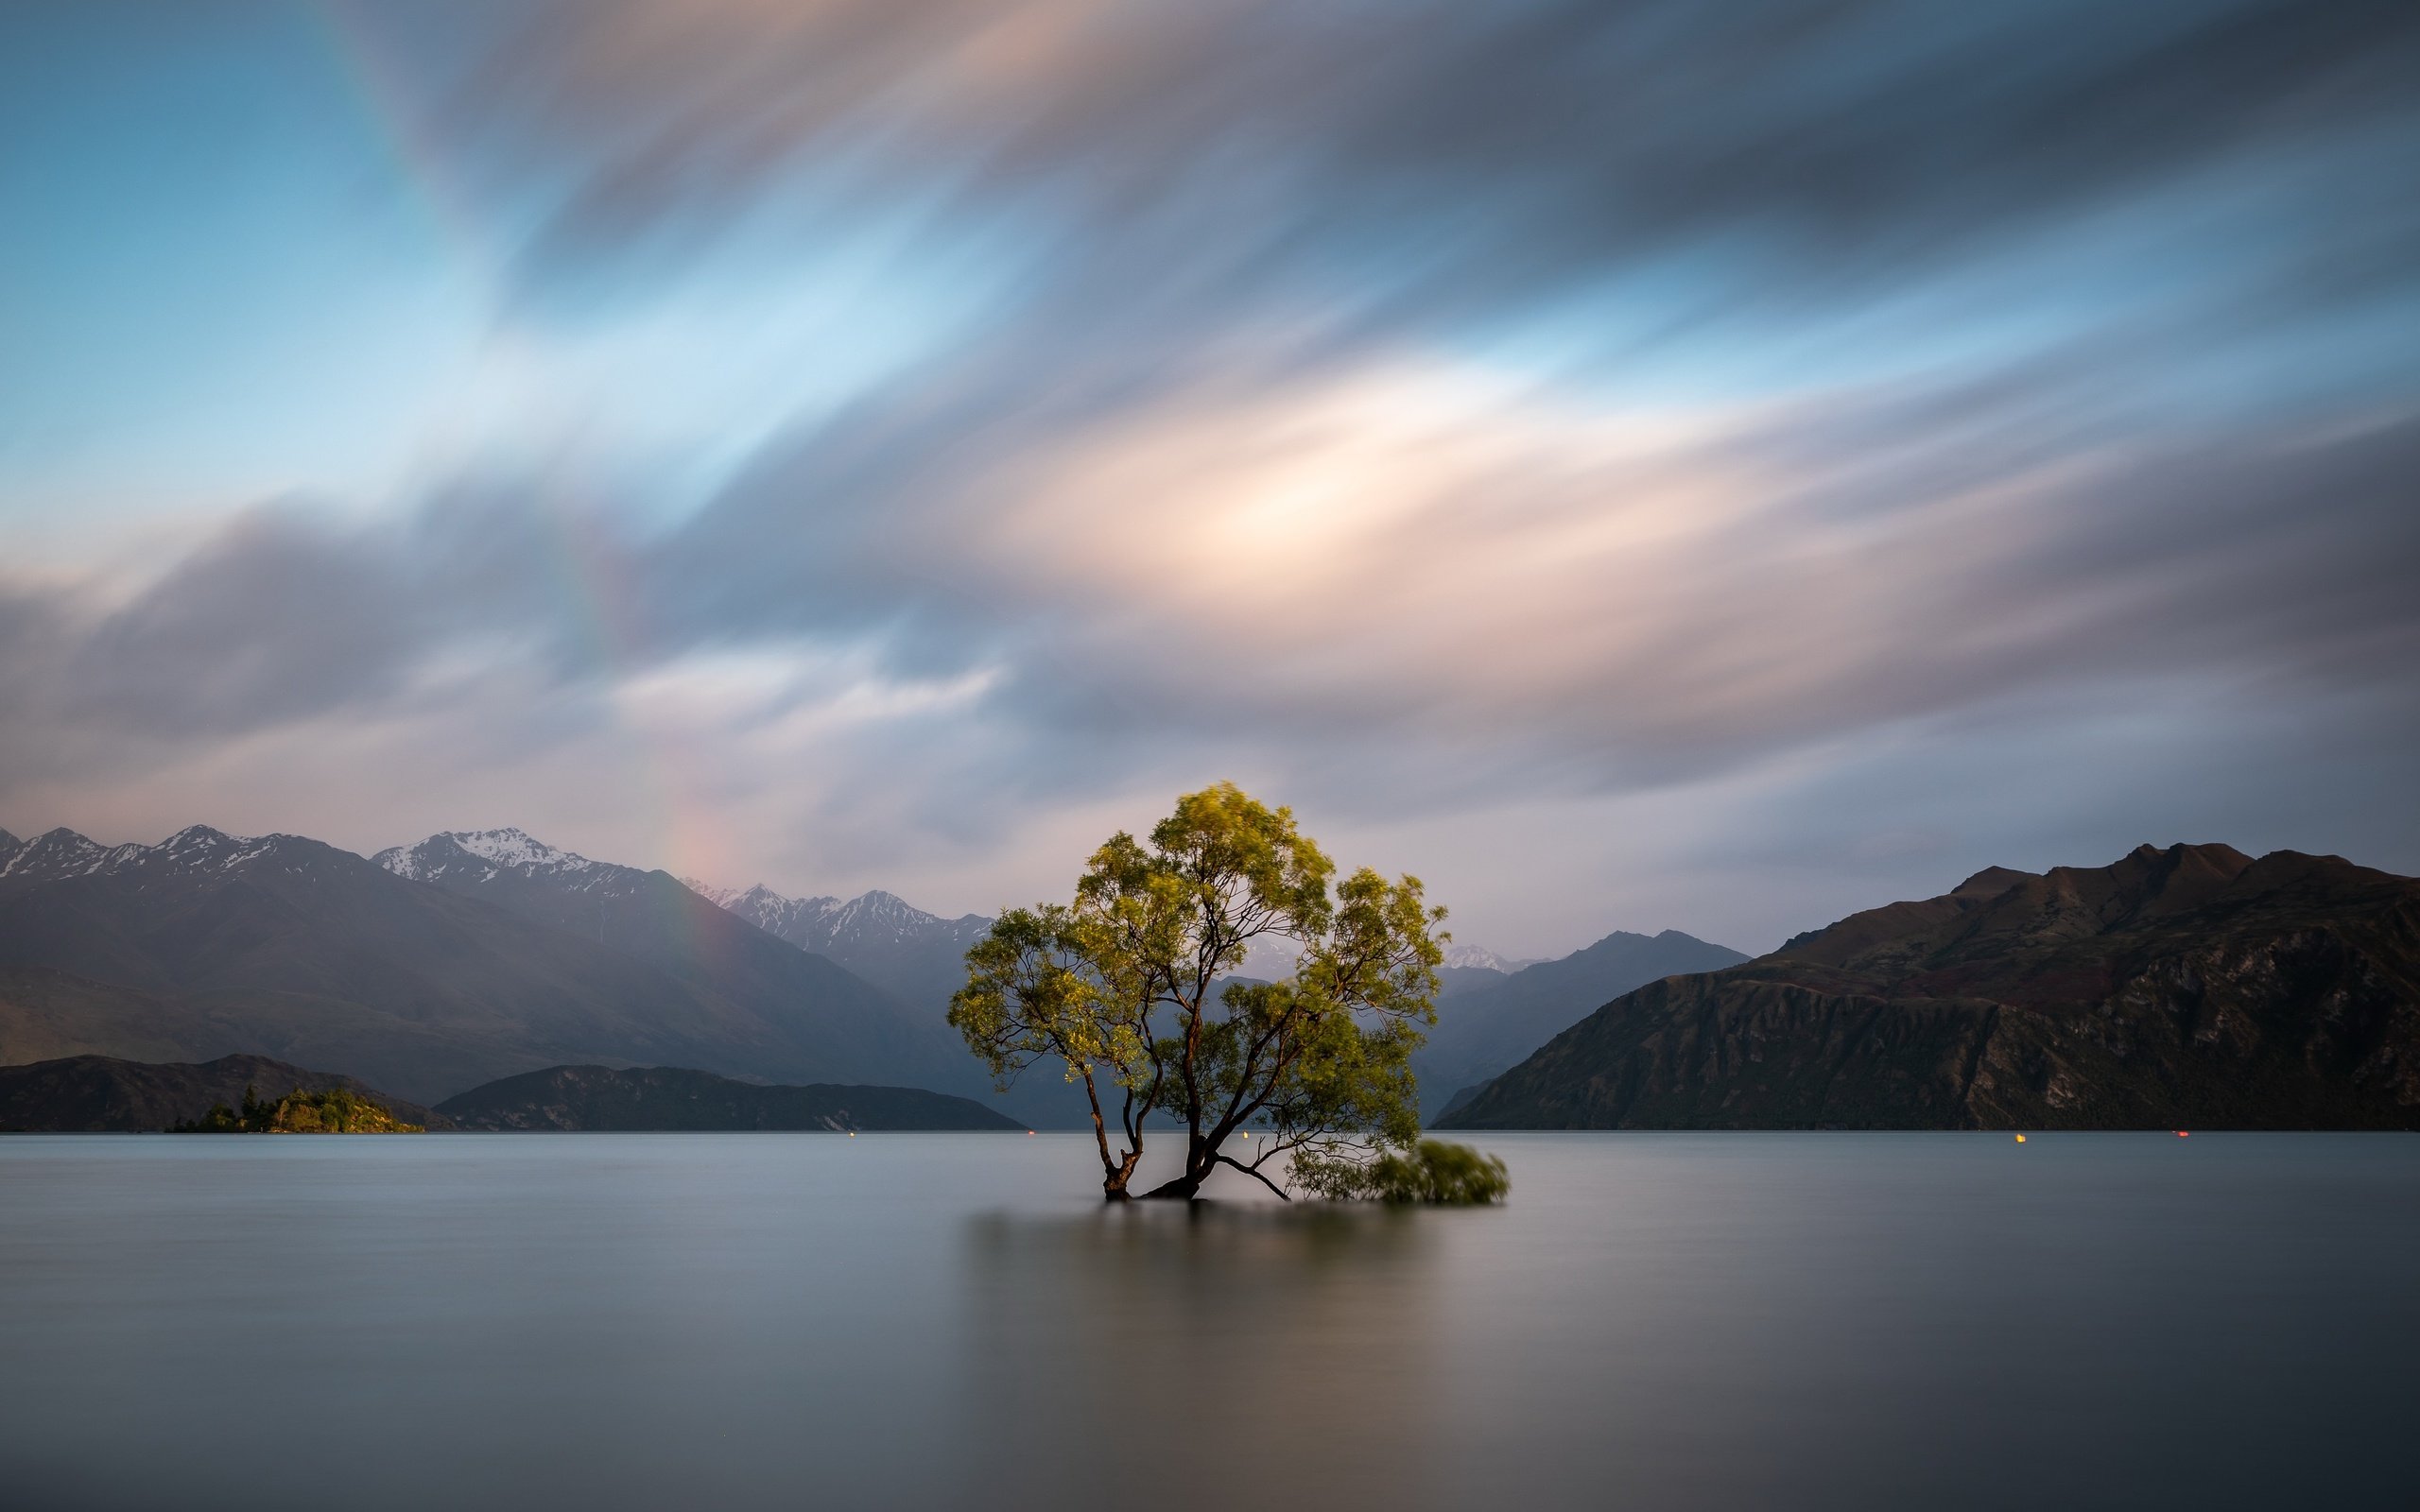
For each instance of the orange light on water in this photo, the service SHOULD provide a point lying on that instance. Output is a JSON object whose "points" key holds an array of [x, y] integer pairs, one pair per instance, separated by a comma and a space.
{"points": [[2183, 1134], [2020, 1139]]}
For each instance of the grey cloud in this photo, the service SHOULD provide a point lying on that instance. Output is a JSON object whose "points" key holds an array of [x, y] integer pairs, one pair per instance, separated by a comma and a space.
{"points": [[1426, 160], [2264, 554], [274, 618], [1219, 214], [1864, 587], [284, 614]]}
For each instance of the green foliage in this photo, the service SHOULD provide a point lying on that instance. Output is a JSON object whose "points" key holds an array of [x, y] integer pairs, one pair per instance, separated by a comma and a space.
{"points": [[1122, 987], [1432, 1171], [333, 1112]]}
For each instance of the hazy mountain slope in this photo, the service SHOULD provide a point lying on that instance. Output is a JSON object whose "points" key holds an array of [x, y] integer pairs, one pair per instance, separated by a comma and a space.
{"points": [[917, 958], [1457, 981], [653, 916], [47, 1014], [920, 958], [100, 1095], [295, 949], [668, 1099], [1484, 1029], [2186, 988]]}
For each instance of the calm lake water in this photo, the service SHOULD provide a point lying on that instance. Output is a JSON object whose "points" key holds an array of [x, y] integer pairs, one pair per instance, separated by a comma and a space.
{"points": [[927, 1321]]}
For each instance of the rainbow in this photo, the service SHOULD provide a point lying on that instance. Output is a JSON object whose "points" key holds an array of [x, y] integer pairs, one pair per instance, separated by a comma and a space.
{"points": [[589, 568]]}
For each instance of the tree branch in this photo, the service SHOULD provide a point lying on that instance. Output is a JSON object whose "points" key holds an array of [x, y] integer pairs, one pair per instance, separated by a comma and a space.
{"points": [[1253, 1171]]}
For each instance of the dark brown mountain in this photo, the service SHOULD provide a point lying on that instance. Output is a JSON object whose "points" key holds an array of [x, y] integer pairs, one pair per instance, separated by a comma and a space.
{"points": [[665, 1098], [85, 1095], [207, 944], [2191, 988]]}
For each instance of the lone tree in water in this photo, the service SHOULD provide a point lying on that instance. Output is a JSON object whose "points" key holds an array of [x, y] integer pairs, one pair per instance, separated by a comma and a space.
{"points": [[1122, 986]]}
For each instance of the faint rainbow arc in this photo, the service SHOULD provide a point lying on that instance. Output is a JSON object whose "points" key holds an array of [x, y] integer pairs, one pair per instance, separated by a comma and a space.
{"points": [[588, 569]]}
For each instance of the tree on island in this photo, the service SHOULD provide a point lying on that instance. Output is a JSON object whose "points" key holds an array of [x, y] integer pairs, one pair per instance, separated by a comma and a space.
{"points": [[1124, 987], [332, 1110]]}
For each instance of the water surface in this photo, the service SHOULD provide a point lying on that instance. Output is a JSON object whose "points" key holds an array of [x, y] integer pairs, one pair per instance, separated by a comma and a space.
{"points": [[800, 1320]]}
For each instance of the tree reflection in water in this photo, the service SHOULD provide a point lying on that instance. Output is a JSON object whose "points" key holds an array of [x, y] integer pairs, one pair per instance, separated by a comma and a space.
{"points": [[1203, 1355]]}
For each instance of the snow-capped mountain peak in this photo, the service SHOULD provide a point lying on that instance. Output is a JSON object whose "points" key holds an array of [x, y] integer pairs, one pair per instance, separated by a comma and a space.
{"points": [[836, 925], [197, 850], [1485, 959], [517, 849], [741, 901], [504, 849], [59, 853], [881, 915], [919, 957]]}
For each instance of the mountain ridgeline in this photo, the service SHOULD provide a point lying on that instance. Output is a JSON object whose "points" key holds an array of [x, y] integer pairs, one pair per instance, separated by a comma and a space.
{"points": [[860, 1029], [479, 968], [920, 958], [1489, 1024], [2188, 988], [100, 1095], [916, 957]]}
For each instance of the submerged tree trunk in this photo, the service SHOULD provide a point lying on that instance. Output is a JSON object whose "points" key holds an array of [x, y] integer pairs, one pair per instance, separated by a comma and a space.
{"points": [[1116, 1170], [1201, 1156], [1200, 1162]]}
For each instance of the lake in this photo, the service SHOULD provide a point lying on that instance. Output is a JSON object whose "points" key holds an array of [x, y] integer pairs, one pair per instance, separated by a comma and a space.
{"points": [[929, 1320]]}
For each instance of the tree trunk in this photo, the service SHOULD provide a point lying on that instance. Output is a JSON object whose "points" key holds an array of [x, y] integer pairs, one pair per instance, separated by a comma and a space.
{"points": [[1187, 1186], [1112, 1181]]}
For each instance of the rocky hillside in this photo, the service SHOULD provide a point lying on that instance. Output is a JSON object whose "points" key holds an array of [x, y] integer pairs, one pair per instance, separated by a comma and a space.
{"points": [[2188, 988], [653, 1098]]}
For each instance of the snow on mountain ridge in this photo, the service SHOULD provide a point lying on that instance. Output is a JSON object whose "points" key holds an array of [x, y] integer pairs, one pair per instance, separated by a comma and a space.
{"points": [[55, 853], [1485, 959], [196, 848], [516, 848], [818, 923], [498, 851]]}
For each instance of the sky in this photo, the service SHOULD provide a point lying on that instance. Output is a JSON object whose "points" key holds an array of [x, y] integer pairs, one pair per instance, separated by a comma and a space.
{"points": [[1643, 467]]}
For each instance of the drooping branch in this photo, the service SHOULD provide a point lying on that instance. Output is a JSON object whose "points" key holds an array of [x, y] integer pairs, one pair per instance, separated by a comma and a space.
{"points": [[1253, 1171]]}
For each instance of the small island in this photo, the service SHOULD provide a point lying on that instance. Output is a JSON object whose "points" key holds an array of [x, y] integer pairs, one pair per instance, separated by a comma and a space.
{"points": [[333, 1111]]}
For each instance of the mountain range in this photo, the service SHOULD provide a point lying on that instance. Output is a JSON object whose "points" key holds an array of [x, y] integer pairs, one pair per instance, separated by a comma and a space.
{"points": [[655, 918], [917, 958], [475, 955], [2191, 987], [425, 984]]}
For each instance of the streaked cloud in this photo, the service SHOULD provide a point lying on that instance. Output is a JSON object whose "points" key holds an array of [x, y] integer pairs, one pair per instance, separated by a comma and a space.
{"points": [[1735, 461]]}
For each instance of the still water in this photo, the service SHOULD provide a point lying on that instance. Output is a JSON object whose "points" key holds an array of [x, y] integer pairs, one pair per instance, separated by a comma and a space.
{"points": [[928, 1321]]}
